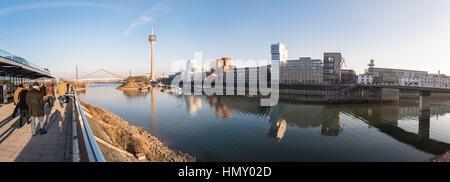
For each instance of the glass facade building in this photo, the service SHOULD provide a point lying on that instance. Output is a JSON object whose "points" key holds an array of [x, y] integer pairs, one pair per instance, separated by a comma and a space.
{"points": [[302, 71], [332, 64]]}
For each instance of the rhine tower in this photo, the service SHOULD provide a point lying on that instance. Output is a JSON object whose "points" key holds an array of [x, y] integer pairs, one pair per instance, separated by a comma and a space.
{"points": [[152, 39]]}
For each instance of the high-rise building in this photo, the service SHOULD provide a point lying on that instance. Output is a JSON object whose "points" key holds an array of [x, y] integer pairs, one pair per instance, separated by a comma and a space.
{"points": [[152, 39], [332, 65], [279, 52], [191, 67], [223, 64]]}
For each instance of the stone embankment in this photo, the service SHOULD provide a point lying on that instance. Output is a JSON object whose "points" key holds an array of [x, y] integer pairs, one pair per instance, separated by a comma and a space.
{"points": [[441, 158], [121, 141]]}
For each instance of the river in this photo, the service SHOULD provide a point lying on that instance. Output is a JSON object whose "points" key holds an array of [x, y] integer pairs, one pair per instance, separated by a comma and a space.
{"points": [[236, 128]]}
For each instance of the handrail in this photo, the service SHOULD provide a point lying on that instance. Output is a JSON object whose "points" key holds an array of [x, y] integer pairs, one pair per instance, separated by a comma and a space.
{"points": [[91, 148], [21, 60]]}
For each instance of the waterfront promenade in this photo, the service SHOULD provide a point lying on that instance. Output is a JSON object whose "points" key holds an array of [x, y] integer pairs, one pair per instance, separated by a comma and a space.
{"points": [[18, 144]]}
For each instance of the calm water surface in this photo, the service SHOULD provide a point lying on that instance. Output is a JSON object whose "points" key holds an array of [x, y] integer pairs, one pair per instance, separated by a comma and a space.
{"points": [[236, 128]]}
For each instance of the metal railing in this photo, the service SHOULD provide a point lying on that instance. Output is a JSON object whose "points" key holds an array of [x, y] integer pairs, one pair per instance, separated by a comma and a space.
{"points": [[21, 60], [85, 148]]}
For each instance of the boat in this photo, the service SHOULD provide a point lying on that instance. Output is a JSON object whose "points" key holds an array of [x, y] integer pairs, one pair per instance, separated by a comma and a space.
{"points": [[144, 88]]}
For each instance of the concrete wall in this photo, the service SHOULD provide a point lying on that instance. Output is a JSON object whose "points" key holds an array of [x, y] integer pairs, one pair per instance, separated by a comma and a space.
{"points": [[389, 94]]}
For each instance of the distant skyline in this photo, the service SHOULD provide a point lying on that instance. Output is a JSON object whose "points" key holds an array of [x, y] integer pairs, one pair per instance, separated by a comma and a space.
{"points": [[112, 34]]}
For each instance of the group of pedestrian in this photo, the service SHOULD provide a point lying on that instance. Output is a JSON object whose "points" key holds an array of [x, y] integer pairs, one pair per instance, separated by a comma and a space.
{"points": [[31, 103]]}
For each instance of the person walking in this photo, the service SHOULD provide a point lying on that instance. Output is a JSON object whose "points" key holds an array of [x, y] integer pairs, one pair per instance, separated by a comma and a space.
{"points": [[67, 90], [22, 104], [42, 88], [50, 94], [35, 102], [16, 100], [61, 90]]}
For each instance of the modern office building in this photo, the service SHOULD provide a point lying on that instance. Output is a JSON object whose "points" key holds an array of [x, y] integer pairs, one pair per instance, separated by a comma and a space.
{"points": [[302, 71], [191, 69], [223, 64], [348, 76], [279, 53], [224, 67], [332, 65], [250, 75]]}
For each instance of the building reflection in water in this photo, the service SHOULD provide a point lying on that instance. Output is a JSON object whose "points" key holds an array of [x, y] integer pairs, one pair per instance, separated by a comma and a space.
{"points": [[154, 123], [222, 110], [304, 116], [384, 117], [277, 127], [193, 104], [135, 93]]}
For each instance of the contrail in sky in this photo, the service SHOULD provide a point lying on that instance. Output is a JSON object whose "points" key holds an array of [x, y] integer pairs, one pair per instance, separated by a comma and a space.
{"points": [[148, 16], [40, 5]]}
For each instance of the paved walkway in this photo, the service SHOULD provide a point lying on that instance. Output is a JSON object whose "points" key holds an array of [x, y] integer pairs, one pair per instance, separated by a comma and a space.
{"points": [[19, 145]]}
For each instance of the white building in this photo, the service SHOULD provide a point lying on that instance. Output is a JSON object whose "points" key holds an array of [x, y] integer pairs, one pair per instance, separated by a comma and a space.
{"points": [[365, 79], [279, 52], [431, 80], [410, 81], [280, 56], [192, 71]]}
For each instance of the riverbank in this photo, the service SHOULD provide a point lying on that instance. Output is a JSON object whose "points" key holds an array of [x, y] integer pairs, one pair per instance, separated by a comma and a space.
{"points": [[81, 88], [131, 85], [123, 142], [441, 158]]}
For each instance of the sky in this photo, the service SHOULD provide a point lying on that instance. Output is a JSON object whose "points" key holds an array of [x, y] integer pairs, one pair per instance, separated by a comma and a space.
{"points": [[113, 34]]}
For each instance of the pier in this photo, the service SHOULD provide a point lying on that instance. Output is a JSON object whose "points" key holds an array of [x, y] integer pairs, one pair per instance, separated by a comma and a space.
{"points": [[68, 138], [18, 145]]}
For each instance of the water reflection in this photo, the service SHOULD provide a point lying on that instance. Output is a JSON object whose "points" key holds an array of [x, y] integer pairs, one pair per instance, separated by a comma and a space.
{"points": [[135, 93], [193, 104], [236, 128], [385, 118], [154, 123], [222, 110]]}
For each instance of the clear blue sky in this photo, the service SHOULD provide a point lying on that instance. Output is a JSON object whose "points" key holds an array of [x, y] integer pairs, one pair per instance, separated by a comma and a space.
{"points": [[411, 34]]}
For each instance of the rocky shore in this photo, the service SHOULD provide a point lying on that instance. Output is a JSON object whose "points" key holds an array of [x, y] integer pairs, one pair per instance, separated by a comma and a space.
{"points": [[441, 158], [131, 85], [123, 142]]}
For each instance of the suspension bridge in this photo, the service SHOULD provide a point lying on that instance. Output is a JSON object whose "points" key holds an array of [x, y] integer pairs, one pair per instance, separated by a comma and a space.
{"points": [[114, 78]]}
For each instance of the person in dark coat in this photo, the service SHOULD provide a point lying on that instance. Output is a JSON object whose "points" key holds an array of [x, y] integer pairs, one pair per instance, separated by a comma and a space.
{"points": [[42, 89], [22, 104], [16, 100], [35, 102], [68, 90]]}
